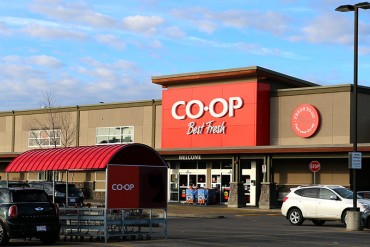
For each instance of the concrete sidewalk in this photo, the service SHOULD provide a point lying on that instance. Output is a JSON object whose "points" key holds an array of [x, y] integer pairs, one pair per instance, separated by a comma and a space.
{"points": [[214, 211], [177, 209]]}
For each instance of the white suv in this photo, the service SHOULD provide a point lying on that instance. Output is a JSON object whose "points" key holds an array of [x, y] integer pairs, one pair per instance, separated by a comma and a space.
{"points": [[320, 203]]}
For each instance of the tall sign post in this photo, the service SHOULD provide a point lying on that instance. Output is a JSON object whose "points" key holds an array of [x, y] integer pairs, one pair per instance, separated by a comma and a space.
{"points": [[354, 216]]}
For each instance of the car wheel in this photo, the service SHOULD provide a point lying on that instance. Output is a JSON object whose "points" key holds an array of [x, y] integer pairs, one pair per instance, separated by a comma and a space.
{"points": [[318, 222], [295, 217], [345, 218], [4, 239]]}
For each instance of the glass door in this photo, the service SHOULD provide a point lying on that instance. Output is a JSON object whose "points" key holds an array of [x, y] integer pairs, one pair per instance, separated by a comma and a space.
{"points": [[174, 187], [225, 187], [184, 184], [246, 179]]}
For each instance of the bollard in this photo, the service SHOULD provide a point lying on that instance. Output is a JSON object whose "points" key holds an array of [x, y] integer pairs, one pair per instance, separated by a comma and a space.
{"points": [[354, 221]]}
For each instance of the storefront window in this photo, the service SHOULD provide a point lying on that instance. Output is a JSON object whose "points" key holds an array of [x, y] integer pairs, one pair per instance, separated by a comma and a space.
{"points": [[174, 165], [115, 135], [44, 138], [226, 164], [183, 180], [188, 165], [202, 165], [245, 164], [216, 164]]}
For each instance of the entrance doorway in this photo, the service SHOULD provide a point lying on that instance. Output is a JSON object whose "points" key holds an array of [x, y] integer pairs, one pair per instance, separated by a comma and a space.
{"points": [[191, 181], [185, 174], [250, 180]]}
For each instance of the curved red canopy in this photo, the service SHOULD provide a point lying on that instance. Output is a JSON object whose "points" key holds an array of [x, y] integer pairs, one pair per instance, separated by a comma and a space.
{"points": [[85, 158]]}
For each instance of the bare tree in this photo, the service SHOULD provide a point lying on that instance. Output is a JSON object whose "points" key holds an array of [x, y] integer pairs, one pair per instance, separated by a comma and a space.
{"points": [[54, 127]]}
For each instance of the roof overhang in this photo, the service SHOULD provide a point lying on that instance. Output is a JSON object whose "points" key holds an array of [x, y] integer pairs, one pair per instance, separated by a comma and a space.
{"points": [[254, 72], [85, 158], [267, 150]]}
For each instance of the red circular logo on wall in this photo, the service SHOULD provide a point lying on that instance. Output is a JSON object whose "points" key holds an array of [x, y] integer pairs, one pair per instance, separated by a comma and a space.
{"points": [[305, 120]]}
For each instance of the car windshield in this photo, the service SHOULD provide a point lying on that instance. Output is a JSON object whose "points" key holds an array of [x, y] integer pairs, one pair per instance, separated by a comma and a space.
{"points": [[30, 196], [62, 188], [345, 193]]}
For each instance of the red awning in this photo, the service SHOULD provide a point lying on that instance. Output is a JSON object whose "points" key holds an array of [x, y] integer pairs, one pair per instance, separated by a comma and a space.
{"points": [[85, 158]]}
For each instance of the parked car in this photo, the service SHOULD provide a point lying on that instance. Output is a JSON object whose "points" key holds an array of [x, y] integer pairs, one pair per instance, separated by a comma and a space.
{"points": [[75, 195], [320, 203], [364, 194], [5, 184], [27, 213]]}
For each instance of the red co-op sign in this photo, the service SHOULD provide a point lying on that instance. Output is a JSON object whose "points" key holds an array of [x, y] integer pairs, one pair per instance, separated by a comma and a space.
{"points": [[314, 166]]}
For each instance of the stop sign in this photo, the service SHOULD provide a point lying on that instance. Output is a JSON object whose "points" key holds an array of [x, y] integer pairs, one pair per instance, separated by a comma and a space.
{"points": [[314, 166]]}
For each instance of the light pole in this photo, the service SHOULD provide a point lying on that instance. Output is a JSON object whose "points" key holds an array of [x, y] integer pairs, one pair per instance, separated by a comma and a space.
{"points": [[356, 224]]}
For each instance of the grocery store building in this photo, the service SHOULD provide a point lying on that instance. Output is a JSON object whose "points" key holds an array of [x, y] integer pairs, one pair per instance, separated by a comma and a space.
{"points": [[249, 127]]}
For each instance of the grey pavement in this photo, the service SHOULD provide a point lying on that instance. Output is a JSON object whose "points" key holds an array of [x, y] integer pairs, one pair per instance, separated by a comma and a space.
{"points": [[223, 226]]}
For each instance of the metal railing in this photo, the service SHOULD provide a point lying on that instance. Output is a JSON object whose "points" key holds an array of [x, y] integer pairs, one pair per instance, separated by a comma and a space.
{"points": [[98, 222]]}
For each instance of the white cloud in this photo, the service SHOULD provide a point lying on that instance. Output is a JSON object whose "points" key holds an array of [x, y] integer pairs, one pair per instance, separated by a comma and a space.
{"points": [[111, 40], [78, 12], [364, 50], [206, 26], [142, 24], [90, 82], [156, 44], [326, 28], [4, 30], [174, 32], [40, 60], [44, 32], [209, 21], [247, 48], [46, 61]]}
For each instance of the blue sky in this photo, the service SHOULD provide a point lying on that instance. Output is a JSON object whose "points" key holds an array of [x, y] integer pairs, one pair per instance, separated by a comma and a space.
{"points": [[85, 52]]}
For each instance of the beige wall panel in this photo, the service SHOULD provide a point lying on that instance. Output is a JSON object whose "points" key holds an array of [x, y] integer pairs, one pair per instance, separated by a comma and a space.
{"points": [[274, 119], [77, 177], [341, 129], [14, 176], [84, 125], [147, 135], [19, 141], [363, 118], [147, 115], [84, 119], [116, 117], [3, 131], [139, 117], [334, 112], [8, 134], [158, 127], [293, 173], [32, 176], [100, 175], [23, 124], [341, 118]]}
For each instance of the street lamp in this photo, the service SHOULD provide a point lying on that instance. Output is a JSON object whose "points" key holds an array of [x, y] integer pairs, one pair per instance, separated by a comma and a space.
{"points": [[355, 8]]}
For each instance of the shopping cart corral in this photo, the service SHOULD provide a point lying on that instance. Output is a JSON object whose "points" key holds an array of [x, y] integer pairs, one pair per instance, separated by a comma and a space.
{"points": [[79, 224]]}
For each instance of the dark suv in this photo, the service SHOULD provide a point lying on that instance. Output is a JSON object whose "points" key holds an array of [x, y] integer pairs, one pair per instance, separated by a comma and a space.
{"points": [[27, 213], [4, 184], [74, 194]]}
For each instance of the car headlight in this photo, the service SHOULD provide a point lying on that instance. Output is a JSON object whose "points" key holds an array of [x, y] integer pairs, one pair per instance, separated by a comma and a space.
{"points": [[59, 194]]}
